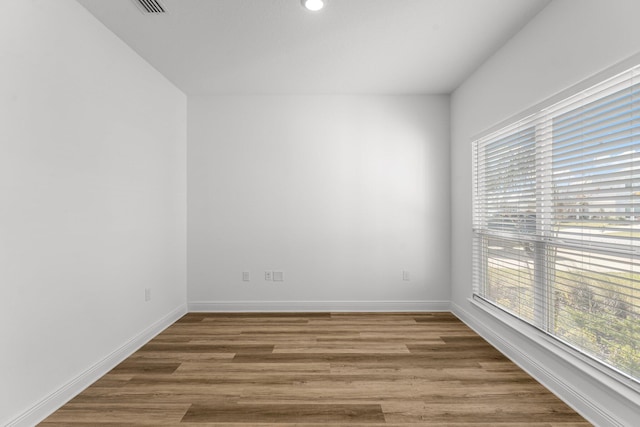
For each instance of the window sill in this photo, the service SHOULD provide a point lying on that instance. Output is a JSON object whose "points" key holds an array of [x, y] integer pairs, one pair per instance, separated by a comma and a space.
{"points": [[608, 377]]}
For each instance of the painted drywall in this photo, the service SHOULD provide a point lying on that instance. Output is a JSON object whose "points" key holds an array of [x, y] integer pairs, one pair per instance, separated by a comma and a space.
{"points": [[567, 42], [341, 193], [92, 199]]}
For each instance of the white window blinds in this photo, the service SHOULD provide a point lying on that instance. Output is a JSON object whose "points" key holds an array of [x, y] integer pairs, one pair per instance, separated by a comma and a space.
{"points": [[556, 221]]}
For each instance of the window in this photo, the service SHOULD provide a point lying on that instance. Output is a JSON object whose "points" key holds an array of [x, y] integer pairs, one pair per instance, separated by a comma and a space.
{"points": [[556, 221]]}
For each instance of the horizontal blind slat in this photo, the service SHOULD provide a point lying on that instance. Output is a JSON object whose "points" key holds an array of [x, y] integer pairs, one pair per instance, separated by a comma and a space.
{"points": [[556, 219]]}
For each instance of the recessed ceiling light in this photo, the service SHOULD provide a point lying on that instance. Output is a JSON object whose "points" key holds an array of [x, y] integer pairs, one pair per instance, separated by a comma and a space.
{"points": [[313, 5]]}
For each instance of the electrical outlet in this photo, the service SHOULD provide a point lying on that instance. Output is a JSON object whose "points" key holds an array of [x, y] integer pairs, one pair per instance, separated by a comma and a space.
{"points": [[278, 276], [147, 294], [405, 275], [246, 276], [268, 275]]}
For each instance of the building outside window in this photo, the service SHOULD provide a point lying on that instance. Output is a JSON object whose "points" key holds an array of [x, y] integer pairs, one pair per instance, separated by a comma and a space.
{"points": [[557, 221]]}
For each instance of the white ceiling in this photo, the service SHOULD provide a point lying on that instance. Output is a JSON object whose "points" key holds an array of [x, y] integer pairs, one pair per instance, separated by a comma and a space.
{"points": [[352, 46]]}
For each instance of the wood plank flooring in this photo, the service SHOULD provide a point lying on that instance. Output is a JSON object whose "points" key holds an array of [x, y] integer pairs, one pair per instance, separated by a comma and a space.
{"points": [[317, 369]]}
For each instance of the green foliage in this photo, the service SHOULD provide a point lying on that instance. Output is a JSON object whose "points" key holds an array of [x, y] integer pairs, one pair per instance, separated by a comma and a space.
{"points": [[596, 312], [598, 316]]}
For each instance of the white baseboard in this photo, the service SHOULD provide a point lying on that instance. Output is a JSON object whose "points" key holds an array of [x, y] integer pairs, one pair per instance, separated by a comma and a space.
{"points": [[55, 400], [317, 306], [599, 400], [596, 405]]}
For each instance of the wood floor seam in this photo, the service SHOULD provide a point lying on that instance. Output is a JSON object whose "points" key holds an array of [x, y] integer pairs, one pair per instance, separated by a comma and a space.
{"points": [[317, 369]]}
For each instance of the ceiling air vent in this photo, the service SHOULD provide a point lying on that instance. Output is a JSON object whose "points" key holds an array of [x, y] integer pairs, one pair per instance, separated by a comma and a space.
{"points": [[150, 6]]}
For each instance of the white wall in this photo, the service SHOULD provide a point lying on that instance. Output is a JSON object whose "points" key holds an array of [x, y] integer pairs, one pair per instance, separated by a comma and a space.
{"points": [[340, 192], [567, 42], [92, 202]]}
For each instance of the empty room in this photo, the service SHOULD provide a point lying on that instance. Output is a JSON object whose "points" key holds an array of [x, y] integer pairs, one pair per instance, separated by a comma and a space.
{"points": [[320, 213]]}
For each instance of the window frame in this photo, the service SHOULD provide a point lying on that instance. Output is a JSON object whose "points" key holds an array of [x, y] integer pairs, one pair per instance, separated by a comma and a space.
{"points": [[538, 117]]}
